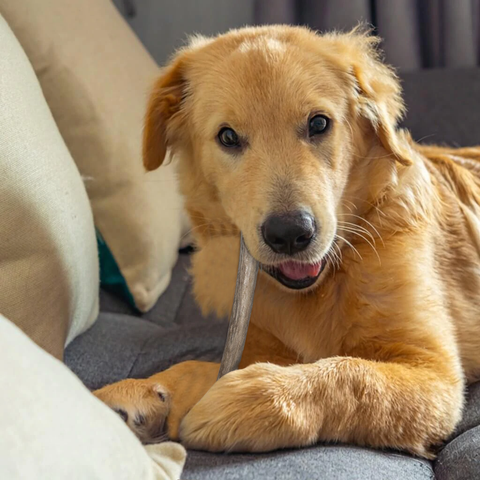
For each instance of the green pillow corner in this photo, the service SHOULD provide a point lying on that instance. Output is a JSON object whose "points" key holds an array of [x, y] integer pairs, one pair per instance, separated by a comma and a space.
{"points": [[111, 279]]}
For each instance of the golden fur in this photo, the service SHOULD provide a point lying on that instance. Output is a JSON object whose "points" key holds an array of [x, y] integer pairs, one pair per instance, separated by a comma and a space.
{"points": [[379, 350]]}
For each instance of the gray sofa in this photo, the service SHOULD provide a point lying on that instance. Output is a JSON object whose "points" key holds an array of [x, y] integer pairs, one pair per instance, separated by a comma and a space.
{"points": [[443, 107]]}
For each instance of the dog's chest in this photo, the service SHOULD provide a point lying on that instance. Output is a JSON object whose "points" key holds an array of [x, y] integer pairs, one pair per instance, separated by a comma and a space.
{"points": [[313, 325]]}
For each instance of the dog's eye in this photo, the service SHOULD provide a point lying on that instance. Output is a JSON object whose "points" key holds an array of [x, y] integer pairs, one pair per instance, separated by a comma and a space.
{"points": [[317, 125], [228, 137]]}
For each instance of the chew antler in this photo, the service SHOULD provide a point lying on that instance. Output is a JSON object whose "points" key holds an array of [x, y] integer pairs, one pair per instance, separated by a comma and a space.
{"points": [[241, 310]]}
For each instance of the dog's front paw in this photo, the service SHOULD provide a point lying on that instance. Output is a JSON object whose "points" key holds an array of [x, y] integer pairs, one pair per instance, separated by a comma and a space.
{"points": [[260, 408], [142, 404]]}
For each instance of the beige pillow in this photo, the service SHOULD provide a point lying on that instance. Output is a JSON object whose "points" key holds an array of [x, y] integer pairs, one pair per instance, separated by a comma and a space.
{"points": [[95, 75], [53, 428], [48, 252]]}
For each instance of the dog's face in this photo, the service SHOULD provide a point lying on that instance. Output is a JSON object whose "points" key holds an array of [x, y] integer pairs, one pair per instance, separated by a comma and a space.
{"points": [[269, 124]]}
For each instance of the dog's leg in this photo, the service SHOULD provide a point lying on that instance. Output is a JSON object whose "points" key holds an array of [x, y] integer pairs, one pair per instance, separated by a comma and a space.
{"points": [[154, 407], [409, 404]]}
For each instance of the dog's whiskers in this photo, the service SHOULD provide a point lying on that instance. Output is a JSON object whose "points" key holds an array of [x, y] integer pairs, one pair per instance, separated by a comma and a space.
{"points": [[339, 254], [358, 227], [347, 207], [370, 204], [331, 260], [334, 257], [355, 232], [378, 211], [349, 244], [367, 222]]}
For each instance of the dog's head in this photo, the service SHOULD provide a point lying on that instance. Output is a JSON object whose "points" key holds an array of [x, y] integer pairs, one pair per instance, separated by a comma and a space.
{"points": [[276, 128]]}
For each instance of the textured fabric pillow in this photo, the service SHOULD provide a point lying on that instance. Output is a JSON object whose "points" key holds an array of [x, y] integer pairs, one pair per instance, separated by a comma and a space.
{"points": [[95, 75], [54, 428], [48, 253]]}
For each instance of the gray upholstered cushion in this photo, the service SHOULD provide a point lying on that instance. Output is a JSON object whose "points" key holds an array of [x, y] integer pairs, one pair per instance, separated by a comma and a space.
{"points": [[471, 415], [333, 462], [460, 459], [121, 345]]}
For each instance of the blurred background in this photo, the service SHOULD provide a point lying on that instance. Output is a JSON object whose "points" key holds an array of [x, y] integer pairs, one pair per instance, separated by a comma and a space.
{"points": [[417, 34]]}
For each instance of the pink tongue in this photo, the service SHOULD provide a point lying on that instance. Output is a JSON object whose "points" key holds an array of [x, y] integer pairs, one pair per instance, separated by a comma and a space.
{"points": [[297, 271]]}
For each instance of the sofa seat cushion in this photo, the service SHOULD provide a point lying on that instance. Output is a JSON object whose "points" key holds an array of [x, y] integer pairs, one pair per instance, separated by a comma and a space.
{"points": [[460, 458]]}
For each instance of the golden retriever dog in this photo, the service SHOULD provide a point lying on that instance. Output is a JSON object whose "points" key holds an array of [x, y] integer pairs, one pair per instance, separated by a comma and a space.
{"points": [[366, 319]]}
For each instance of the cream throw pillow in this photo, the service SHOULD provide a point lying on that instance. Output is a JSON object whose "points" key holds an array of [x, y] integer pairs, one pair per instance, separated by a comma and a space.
{"points": [[53, 428], [48, 252], [95, 75]]}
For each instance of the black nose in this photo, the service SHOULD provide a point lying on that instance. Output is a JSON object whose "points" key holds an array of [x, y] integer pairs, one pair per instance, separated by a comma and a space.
{"points": [[289, 232]]}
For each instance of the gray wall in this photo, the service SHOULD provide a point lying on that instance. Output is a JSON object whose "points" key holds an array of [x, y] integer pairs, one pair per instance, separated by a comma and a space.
{"points": [[163, 25]]}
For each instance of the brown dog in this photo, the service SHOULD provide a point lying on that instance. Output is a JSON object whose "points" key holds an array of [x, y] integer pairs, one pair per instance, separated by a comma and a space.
{"points": [[365, 325]]}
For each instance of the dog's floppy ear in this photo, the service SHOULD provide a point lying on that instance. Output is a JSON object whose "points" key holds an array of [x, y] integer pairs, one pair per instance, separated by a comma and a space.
{"points": [[166, 107], [164, 104], [377, 90]]}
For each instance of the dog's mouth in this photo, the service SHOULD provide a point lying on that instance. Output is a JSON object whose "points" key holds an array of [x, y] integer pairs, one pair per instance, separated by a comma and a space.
{"points": [[296, 275]]}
